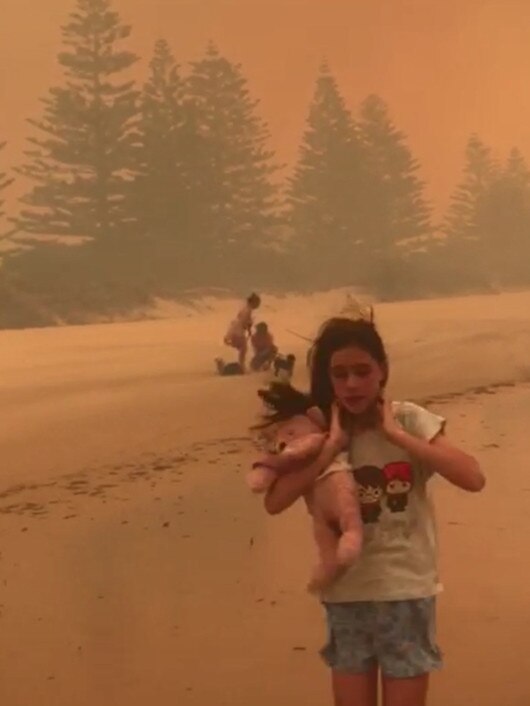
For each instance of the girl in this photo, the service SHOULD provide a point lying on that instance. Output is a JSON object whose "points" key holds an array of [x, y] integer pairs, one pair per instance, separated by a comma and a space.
{"points": [[381, 612], [240, 327]]}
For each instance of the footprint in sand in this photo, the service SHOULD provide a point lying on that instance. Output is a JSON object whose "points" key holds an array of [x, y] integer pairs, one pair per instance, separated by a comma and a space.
{"points": [[179, 459], [80, 483], [138, 474], [12, 491], [161, 467], [8, 509]]}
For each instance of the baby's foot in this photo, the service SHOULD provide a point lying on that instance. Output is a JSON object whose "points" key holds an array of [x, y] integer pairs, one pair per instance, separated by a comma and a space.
{"points": [[322, 577], [349, 548]]}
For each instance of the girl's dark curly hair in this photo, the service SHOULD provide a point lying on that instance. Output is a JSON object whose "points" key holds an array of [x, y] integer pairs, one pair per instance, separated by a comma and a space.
{"points": [[282, 402]]}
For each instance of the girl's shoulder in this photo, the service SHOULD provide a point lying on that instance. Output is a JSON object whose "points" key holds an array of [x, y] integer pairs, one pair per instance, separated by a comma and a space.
{"points": [[405, 407], [418, 420]]}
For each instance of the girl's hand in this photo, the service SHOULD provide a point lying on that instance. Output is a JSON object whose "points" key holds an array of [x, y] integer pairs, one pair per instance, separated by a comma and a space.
{"points": [[390, 426], [337, 437]]}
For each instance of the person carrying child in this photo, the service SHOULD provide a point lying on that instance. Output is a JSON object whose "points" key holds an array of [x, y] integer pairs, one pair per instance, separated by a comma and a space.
{"points": [[381, 611]]}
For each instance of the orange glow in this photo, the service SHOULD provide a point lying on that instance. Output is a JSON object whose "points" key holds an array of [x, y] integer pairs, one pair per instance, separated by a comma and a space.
{"points": [[446, 67]]}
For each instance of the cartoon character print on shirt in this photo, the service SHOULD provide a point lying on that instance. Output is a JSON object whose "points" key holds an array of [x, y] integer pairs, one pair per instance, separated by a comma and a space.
{"points": [[371, 483], [398, 477]]}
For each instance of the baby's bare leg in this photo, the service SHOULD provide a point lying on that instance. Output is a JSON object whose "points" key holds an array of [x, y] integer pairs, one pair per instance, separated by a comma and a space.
{"points": [[327, 567], [339, 502]]}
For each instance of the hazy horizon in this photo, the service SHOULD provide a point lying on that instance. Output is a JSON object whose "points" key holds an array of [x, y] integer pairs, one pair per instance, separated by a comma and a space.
{"points": [[446, 69]]}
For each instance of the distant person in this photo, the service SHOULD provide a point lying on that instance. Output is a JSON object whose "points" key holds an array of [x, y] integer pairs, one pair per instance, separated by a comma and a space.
{"points": [[264, 348], [228, 369], [240, 328]]}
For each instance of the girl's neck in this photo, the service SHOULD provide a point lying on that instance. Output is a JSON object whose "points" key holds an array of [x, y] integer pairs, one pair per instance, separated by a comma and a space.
{"points": [[359, 423]]}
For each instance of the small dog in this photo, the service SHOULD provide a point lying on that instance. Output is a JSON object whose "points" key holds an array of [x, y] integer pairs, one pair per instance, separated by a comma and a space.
{"points": [[228, 368], [283, 367]]}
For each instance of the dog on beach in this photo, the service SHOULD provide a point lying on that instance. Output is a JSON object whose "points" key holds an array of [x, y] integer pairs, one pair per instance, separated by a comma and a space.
{"points": [[283, 367]]}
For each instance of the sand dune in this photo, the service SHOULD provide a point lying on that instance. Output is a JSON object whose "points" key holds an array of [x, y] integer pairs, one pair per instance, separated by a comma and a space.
{"points": [[135, 567]]}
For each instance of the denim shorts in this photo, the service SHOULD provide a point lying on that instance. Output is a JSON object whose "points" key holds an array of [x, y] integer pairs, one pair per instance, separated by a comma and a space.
{"points": [[397, 636]]}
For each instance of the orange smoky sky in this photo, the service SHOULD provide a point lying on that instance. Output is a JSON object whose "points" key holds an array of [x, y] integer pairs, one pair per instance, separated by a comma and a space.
{"points": [[446, 67]]}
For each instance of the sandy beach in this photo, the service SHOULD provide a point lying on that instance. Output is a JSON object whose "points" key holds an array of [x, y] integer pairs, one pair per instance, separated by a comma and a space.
{"points": [[136, 568]]}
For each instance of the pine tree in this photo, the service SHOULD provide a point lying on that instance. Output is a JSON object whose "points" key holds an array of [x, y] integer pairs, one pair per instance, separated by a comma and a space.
{"points": [[326, 195], [233, 197], [503, 223], [399, 212], [470, 219], [5, 182], [164, 141], [82, 161], [480, 173], [517, 246]]}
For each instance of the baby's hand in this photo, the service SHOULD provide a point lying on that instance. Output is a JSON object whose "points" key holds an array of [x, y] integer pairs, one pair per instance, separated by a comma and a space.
{"points": [[337, 437]]}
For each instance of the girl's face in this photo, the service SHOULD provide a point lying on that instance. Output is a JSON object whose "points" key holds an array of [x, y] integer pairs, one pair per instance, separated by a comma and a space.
{"points": [[357, 379]]}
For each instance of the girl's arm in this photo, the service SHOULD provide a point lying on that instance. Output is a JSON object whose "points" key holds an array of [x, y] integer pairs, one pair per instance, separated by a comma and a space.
{"points": [[290, 486], [441, 457], [436, 455]]}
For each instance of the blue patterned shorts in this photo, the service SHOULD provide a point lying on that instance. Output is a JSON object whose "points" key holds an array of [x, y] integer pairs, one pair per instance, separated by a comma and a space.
{"points": [[399, 636]]}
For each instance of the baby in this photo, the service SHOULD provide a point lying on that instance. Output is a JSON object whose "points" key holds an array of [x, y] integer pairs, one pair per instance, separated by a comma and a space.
{"points": [[333, 501]]}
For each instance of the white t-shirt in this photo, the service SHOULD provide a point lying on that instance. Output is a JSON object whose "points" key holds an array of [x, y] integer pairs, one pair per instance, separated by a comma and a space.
{"points": [[399, 555]]}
